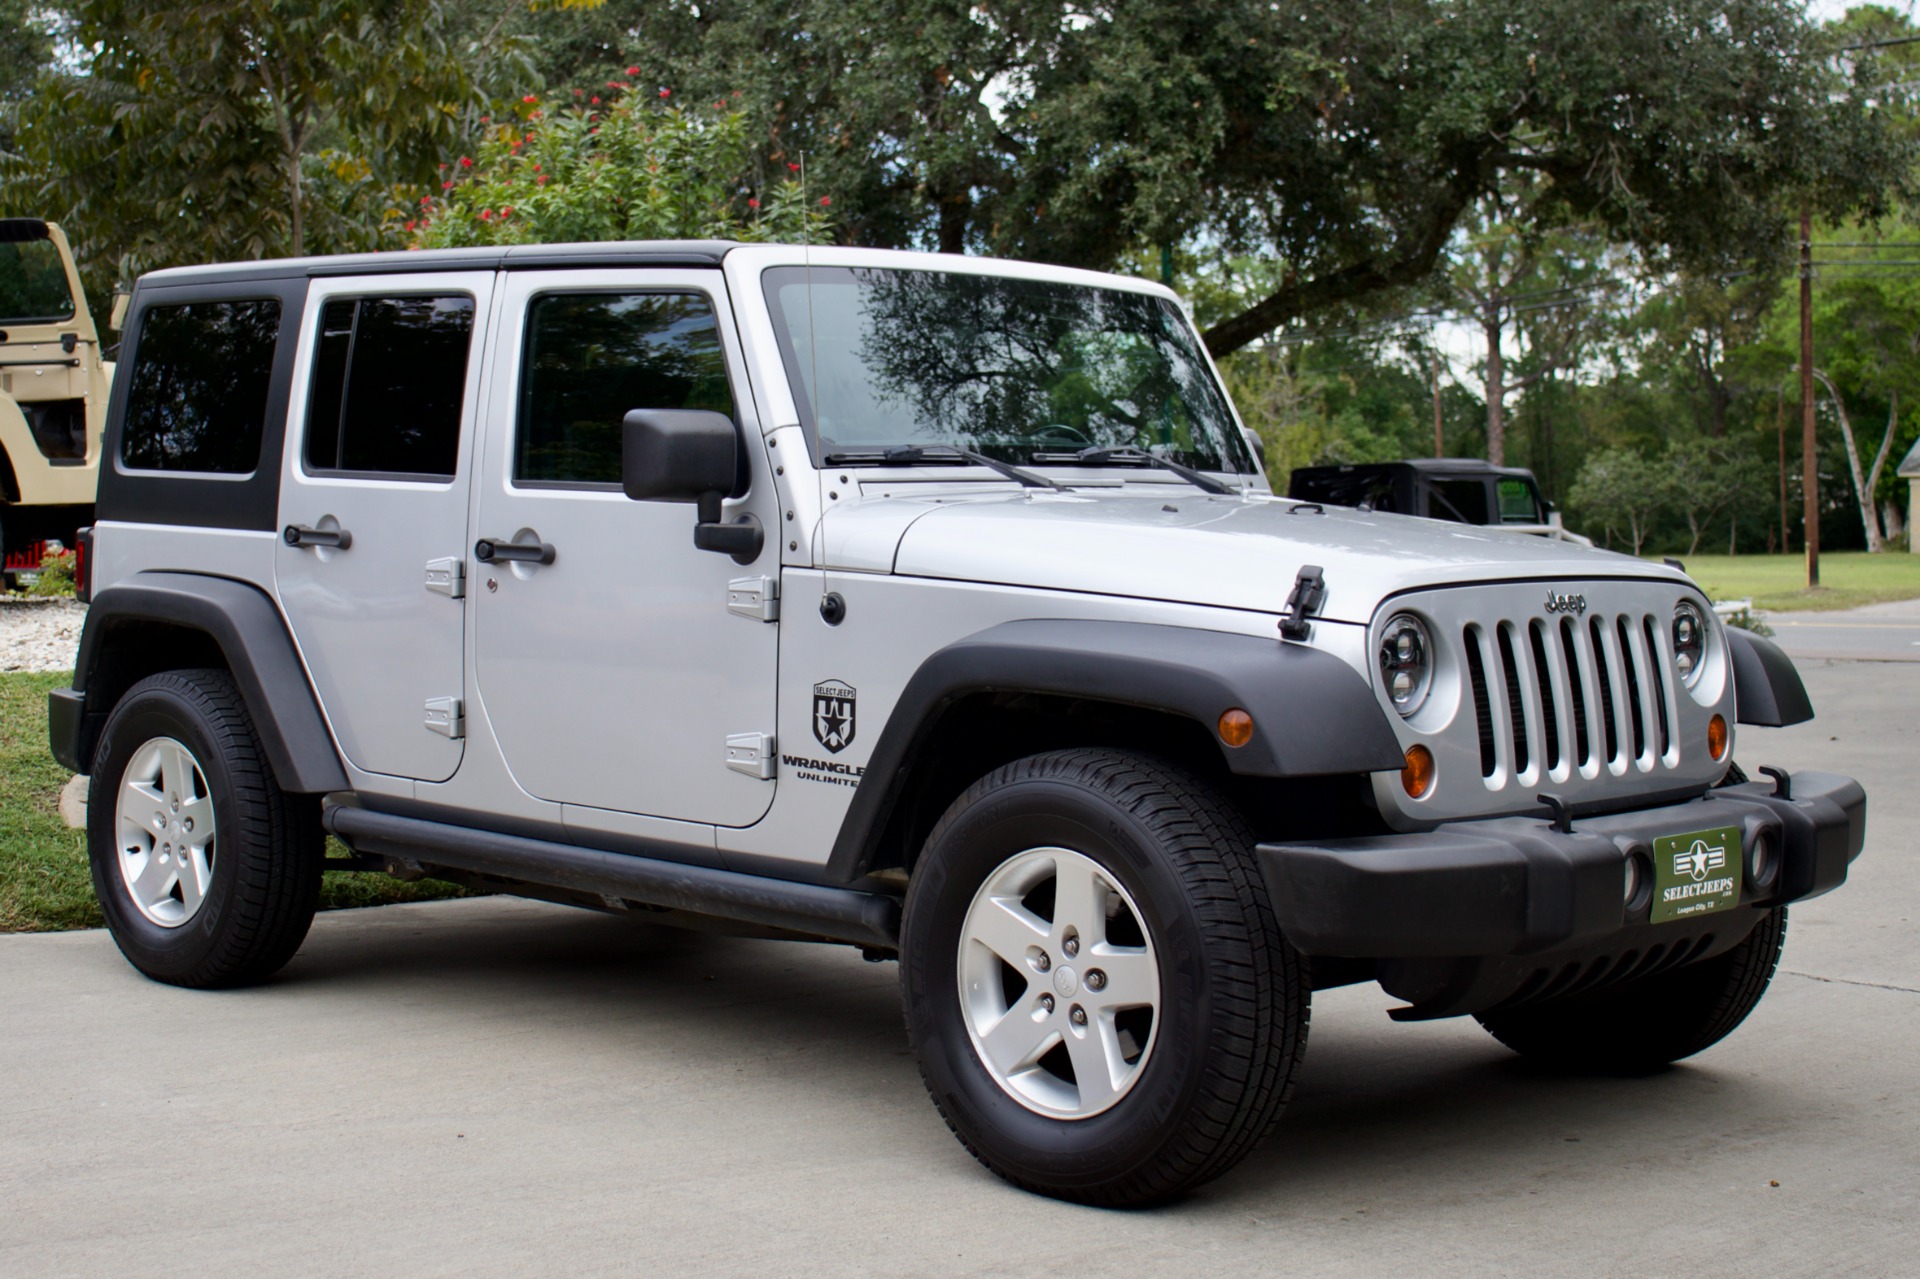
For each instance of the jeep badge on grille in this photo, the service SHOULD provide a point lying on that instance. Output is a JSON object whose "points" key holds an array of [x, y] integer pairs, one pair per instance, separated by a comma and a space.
{"points": [[1566, 603]]}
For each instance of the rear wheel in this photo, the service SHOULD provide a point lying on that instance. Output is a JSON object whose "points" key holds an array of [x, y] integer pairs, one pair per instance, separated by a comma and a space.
{"points": [[1647, 1024], [1101, 1004], [208, 874]]}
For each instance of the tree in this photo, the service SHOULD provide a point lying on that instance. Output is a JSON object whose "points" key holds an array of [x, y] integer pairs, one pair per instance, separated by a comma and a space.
{"points": [[195, 131], [1545, 289], [1350, 142], [26, 49], [1621, 488], [623, 165]]}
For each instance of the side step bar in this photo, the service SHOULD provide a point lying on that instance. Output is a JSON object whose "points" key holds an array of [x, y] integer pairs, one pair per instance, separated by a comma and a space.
{"points": [[843, 914]]}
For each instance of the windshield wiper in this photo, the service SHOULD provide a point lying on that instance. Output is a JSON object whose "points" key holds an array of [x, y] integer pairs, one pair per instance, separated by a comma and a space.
{"points": [[918, 454], [1099, 456]]}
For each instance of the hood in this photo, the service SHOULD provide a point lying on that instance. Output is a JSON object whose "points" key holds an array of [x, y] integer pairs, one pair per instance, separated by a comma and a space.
{"points": [[1179, 545]]}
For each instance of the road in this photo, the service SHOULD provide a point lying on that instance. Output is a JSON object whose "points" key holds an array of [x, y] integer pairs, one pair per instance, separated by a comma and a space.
{"points": [[1876, 633], [507, 1088]]}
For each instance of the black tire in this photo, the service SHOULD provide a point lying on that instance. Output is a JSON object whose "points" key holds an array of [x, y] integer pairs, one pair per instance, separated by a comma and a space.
{"points": [[265, 880], [1234, 996], [1648, 1024]]}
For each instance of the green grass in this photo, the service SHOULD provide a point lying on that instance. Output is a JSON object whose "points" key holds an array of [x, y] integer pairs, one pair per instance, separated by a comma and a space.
{"points": [[1848, 579], [44, 882]]}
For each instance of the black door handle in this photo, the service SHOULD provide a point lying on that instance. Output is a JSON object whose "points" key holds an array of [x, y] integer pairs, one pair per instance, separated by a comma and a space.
{"points": [[300, 535], [489, 550]]}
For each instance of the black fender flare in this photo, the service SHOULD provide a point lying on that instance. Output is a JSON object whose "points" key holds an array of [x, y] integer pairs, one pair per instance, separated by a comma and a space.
{"points": [[1313, 715], [247, 627], [1766, 688]]}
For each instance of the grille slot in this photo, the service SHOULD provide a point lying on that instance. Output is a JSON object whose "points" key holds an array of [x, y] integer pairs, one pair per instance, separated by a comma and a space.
{"points": [[1576, 693], [1609, 709], [1549, 712], [1482, 712], [1635, 700], [1516, 708], [1657, 662]]}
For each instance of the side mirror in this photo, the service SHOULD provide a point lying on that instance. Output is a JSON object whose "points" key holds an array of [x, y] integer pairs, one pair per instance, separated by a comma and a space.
{"points": [[689, 455]]}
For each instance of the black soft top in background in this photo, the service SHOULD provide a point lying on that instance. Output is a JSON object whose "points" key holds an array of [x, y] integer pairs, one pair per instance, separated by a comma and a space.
{"points": [[1464, 489]]}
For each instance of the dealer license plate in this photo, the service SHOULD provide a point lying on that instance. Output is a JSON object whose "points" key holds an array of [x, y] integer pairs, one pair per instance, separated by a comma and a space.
{"points": [[1696, 873]]}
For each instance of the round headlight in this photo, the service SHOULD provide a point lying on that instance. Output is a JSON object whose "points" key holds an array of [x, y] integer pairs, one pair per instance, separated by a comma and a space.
{"points": [[1406, 662], [1689, 641]]}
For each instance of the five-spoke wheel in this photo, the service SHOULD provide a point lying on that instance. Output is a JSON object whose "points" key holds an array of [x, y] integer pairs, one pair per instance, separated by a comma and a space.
{"points": [[1059, 983], [166, 824], [1100, 1001], [207, 873]]}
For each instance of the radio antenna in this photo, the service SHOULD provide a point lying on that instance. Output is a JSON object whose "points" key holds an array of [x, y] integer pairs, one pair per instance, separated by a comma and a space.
{"points": [[806, 256]]}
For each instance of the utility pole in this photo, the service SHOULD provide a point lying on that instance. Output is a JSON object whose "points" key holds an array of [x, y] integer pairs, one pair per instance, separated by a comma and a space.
{"points": [[1780, 429], [1809, 475]]}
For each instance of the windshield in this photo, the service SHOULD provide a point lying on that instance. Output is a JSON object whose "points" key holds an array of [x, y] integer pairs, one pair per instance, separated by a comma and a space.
{"points": [[33, 283], [1020, 370]]}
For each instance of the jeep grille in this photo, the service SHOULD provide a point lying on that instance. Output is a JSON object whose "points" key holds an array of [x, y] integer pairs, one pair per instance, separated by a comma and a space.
{"points": [[1585, 706]]}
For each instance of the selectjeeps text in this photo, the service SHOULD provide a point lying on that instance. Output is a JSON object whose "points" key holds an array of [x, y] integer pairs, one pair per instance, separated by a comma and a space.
{"points": [[934, 605]]}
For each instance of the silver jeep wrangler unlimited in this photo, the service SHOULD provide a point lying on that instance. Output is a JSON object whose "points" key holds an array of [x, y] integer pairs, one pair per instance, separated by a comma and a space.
{"points": [[933, 605]]}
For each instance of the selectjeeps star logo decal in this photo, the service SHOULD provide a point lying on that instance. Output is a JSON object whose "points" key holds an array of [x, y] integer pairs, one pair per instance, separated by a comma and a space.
{"points": [[1557, 603], [1699, 861], [833, 715]]}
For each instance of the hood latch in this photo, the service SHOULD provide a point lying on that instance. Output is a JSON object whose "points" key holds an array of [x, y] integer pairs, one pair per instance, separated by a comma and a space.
{"points": [[1309, 593]]}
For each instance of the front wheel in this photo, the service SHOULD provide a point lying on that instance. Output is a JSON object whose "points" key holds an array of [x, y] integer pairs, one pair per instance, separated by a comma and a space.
{"points": [[207, 872], [1648, 1024], [1101, 1003]]}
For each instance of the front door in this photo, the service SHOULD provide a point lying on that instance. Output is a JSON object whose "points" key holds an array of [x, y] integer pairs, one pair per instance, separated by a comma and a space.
{"points": [[373, 511], [614, 675]]}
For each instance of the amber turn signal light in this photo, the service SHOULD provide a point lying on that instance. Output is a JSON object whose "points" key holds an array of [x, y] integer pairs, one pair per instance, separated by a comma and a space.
{"points": [[1416, 777], [1236, 727], [1717, 737]]}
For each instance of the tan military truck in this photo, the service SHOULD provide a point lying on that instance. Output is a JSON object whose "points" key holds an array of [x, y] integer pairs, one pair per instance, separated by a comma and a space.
{"points": [[53, 393]]}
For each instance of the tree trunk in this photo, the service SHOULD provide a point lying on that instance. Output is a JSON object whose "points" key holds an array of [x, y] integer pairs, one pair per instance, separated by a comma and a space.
{"points": [[1497, 395], [298, 203], [1439, 445], [1862, 490]]}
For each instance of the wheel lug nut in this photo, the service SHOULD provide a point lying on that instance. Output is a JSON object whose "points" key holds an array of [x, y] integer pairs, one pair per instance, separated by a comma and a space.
{"points": [[1079, 1015], [1096, 980], [1071, 946], [1046, 1002], [1040, 961]]}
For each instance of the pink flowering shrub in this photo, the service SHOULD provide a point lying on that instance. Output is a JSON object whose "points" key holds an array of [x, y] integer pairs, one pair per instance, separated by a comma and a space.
{"points": [[635, 167]]}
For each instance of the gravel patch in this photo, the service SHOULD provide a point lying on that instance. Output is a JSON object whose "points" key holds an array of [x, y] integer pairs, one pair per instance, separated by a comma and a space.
{"points": [[39, 634]]}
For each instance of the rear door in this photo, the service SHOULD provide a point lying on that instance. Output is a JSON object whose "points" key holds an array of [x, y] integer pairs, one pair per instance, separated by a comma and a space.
{"points": [[373, 511]]}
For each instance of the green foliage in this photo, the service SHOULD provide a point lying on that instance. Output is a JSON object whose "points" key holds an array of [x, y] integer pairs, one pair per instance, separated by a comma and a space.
{"points": [[220, 129], [56, 576], [1622, 491], [620, 165]]}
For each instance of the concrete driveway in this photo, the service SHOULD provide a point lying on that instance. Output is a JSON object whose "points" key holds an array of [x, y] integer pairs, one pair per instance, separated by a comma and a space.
{"points": [[1875, 633], [507, 1088]]}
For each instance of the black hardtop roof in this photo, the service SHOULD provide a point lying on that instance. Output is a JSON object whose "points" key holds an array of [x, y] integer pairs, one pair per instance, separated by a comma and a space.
{"points": [[1433, 465], [612, 253]]}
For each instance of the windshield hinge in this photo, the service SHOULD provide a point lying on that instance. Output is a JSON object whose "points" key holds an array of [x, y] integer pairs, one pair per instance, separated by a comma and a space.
{"points": [[1309, 593]]}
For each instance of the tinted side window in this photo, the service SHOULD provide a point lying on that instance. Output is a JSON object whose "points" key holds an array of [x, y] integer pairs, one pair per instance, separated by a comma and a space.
{"points": [[388, 381], [593, 357], [197, 397], [1462, 500], [1517, 504]]}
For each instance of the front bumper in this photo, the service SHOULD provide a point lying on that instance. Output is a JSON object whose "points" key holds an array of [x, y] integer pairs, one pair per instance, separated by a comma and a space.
{"points": [[1472, 914]]}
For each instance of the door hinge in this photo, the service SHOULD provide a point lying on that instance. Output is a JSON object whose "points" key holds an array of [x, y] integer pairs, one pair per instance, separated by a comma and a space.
{"points": [[755, 597], [752, 754], [446, 716], [448, 577]]}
